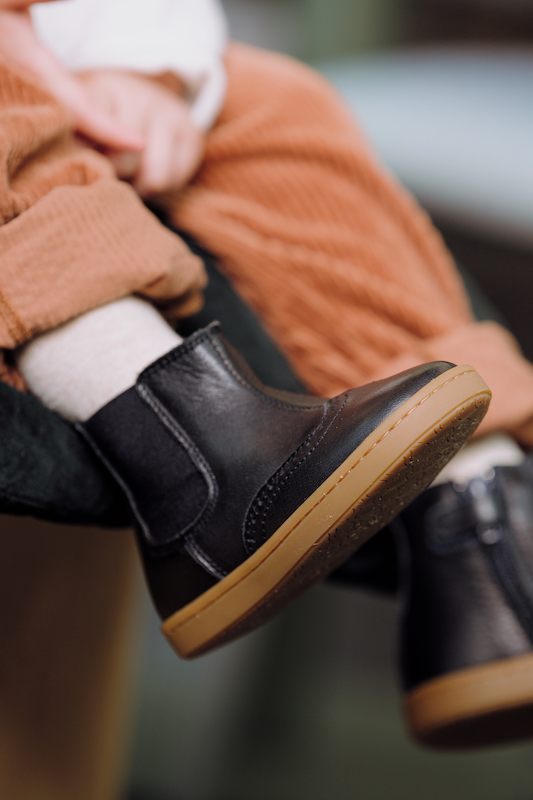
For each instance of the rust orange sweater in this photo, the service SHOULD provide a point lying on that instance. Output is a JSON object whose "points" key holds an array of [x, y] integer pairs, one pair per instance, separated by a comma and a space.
{"points": [[72, 237], [346, 271]]}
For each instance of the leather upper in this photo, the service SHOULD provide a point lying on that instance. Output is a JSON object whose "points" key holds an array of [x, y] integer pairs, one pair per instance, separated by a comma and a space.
{"points": [[213, 462], [466, 555]]}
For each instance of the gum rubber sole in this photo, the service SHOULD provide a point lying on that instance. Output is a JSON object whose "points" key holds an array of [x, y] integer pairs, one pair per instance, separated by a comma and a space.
{"points": [[485, 705], [396, 462]]}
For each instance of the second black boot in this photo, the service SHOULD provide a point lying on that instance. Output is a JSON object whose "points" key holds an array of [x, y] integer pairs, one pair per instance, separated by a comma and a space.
{"points": [[466, 552], [244, 497]]}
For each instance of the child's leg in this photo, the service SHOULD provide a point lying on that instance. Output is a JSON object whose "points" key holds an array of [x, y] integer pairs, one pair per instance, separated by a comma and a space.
{"points": [[244, 496], [344, 269]]}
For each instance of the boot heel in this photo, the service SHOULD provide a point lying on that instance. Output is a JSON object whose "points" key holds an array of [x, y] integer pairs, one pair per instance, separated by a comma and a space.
{"points": [[474, 707]]}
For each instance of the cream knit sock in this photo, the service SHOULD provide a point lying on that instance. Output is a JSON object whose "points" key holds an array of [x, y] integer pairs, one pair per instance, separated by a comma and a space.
{"points": [[82, 365]]}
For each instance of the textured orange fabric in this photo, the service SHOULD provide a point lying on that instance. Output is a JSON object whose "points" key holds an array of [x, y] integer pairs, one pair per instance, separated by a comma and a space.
{"points": [[72, 237], [346, 271]]}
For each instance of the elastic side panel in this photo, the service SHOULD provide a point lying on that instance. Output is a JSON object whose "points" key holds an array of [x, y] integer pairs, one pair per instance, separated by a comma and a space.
{"points": [[166, 487]]}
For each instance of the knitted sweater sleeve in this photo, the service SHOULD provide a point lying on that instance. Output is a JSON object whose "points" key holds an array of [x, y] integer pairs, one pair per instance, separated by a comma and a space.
{"points": [[186, 37]]}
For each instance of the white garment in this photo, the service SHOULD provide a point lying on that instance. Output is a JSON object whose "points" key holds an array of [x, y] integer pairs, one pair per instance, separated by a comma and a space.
{"points": [[186, 37]]}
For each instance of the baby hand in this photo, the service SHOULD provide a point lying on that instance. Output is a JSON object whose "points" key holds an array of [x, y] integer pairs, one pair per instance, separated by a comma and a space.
{"points": [[19, 47], [173, 144]]}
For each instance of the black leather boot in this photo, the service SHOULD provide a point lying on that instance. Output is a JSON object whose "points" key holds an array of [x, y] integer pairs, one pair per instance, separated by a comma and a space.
{"points": [[244, 497], [466, 554]]}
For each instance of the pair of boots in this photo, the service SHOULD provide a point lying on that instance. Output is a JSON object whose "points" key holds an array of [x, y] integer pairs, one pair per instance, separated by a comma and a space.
{"points": [[243, 497]]}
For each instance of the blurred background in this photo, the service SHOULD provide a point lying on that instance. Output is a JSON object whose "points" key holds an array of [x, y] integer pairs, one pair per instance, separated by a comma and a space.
{"points": [[313, 29], [309, 706]]}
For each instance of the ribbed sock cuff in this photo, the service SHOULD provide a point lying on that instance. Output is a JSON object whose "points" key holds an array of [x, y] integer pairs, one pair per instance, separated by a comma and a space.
{"points": [[80, 366]]}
